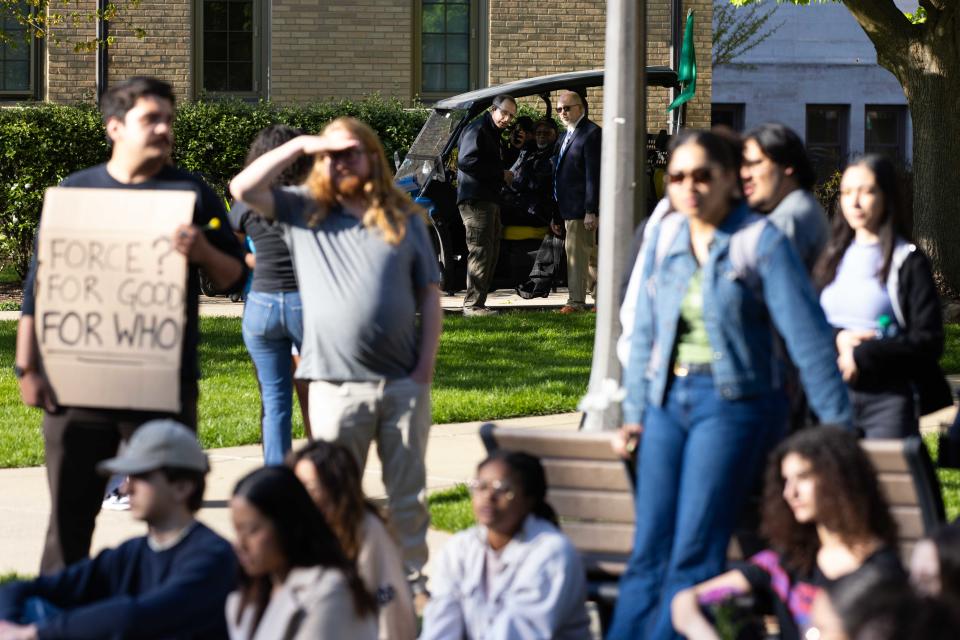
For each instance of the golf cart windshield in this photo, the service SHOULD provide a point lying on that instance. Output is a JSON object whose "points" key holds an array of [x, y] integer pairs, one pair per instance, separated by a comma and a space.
{"points": [[424, 158]]}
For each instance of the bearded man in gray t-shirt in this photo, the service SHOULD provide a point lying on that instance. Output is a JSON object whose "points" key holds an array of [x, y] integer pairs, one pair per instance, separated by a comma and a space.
{"points": [[365, 266]]}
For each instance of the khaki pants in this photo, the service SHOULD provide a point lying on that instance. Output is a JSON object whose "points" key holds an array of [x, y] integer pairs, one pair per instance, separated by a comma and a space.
{"points": [[396, 415], [581, 248], [481, 221]]}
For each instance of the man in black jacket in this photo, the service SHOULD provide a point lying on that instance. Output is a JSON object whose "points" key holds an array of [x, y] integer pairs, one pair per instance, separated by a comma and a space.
{"points": [[480, 179], [577, 187]]}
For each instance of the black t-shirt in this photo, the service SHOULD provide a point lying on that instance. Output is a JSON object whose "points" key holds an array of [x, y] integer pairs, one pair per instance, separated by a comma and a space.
{"points": [[208, 206], [274, 272], [795, 591]]}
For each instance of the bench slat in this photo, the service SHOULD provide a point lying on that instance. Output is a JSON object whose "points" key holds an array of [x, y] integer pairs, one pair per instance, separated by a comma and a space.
{"points": [[909, 522], [603, 506], [898, 489], [558, 444], [603, 538], [886, 455], [586, 474]]}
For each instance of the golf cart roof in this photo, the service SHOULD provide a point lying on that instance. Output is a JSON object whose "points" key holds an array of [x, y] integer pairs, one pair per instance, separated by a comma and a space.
{"points": [[574, 81]]}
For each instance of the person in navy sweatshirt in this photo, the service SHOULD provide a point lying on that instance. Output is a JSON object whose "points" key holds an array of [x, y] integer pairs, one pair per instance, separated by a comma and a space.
{"points": [[171, 583]]}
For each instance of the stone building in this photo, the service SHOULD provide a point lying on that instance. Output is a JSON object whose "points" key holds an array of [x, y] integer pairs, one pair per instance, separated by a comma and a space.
{"points": [[818, 74], [295, 51]]}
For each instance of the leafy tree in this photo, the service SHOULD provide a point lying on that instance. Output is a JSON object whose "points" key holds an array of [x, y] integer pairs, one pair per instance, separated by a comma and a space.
{"points": [[43, 18], [737, 30], [922, 50]]}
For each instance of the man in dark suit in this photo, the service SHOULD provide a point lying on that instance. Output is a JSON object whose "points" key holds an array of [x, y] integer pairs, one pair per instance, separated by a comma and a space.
{"points": [[577, 188], [480, 180]]}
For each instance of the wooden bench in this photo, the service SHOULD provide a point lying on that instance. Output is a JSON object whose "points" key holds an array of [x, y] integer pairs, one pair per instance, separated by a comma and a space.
{"points": [[909, 482], [591, 490]]}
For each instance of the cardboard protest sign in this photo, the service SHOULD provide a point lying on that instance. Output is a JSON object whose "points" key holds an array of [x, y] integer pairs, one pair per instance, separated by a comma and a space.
{"points": [[111, 296]]}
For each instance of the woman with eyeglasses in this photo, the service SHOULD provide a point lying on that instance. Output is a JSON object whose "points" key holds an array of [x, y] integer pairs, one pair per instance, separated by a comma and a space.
{"points": [[879, 294], [826, 520], [704, 379], [514, 575]]}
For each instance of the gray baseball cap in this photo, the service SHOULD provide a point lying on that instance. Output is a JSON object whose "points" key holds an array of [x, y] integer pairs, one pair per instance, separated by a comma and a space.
{"points": [[155, 445]]}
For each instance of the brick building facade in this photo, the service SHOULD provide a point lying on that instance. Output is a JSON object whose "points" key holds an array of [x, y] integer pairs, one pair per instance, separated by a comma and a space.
{"points": [[294, 51]]}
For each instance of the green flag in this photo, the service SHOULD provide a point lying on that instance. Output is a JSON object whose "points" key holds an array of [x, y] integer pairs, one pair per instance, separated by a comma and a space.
{"points": [[687, 73]]}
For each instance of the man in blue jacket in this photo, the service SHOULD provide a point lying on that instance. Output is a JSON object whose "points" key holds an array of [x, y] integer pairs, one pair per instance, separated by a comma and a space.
{"points": [[171, 583], [577, 188], [480, 180]]}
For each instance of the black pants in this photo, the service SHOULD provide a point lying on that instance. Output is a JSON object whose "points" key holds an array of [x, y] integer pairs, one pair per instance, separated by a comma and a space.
{"points": [[885, 414], [75, 440]]}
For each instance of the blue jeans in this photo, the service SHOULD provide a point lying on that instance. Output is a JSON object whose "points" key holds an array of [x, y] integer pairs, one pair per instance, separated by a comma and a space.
{"points": [[699, 457], [272, 323]]}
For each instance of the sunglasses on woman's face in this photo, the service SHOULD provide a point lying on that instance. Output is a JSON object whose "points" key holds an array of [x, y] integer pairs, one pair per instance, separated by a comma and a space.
{"points": [[700, 175]]}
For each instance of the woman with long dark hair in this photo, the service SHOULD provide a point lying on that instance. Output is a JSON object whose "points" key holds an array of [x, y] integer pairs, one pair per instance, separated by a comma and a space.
{"points": [[514, 575], [825, 518], [295, 581], [704, 380], [272, 314], [332, 478], [879, 294]]}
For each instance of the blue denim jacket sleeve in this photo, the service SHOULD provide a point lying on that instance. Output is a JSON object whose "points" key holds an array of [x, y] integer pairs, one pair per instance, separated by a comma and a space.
{"points": [[641, 342], [798, 317]]}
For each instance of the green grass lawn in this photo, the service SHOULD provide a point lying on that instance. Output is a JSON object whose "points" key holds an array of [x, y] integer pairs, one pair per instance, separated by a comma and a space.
{"points": [[515, 364], [451, 509]]}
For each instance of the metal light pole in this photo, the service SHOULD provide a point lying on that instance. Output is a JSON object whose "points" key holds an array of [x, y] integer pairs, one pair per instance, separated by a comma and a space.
{"points": [[622, 194]]}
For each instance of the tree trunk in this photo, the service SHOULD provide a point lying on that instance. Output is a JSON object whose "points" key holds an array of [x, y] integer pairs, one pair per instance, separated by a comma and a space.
{"points": [[926, 60], [935, 109]]}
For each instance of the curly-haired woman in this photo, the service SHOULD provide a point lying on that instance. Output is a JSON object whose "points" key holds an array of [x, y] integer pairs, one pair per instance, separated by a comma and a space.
{"points": [[825, 518]]}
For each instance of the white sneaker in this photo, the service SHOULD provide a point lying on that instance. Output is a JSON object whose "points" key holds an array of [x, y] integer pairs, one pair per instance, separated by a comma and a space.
{"points": [[116, 502]]}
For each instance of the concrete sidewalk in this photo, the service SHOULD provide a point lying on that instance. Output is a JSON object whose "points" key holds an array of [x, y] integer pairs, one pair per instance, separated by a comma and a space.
{"points": [[452, 455], [501, 299], [223, 307]]}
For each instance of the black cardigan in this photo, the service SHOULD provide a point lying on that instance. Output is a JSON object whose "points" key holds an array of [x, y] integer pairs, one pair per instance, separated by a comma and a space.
{"points": [[913, 354]]}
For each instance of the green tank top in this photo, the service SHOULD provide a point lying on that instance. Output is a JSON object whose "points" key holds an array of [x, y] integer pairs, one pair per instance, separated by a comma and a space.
{"points": [[693, 344]]}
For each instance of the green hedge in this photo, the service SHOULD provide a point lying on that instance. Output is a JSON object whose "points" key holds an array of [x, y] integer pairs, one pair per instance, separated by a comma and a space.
{"points": [[42, 144]]}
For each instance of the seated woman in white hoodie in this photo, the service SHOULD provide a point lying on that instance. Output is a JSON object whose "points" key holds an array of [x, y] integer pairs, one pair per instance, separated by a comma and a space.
{"points": [[515, 575]]}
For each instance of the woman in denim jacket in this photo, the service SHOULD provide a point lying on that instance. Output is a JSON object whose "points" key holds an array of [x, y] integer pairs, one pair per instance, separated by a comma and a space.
{"points": [[716, 284]]}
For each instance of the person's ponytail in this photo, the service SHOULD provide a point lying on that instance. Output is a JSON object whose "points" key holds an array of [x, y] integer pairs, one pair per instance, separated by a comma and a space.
{"points": [[544, 511]]}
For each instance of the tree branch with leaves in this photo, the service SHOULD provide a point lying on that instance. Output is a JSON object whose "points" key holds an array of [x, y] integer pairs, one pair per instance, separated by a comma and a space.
{"points": [[738, 30], [43, 19]]}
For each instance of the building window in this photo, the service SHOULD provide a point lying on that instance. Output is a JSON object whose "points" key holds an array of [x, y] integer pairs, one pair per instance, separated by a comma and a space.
{"points": [[230, 47], [885, 131], [18, 60], [727, 114], [447, 47], [827, 135]]}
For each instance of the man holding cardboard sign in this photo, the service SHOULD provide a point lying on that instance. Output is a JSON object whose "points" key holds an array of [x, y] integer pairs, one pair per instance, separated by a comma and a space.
{"points": [[110, 310]]}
